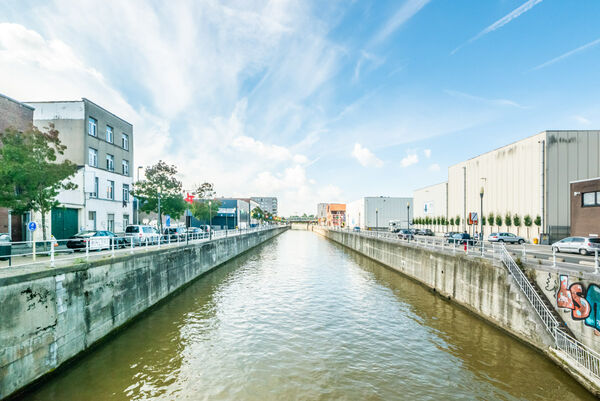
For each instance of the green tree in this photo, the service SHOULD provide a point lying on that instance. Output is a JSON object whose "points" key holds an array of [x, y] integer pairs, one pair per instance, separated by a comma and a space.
{"points": [[30, 176], [160, 181], [517, 222], [490, 219], [205, 191], [204, 210], [498, 220], [258, 214], [452, 221], [538, 223], [528, 222], [508, 220], [457, 221]]}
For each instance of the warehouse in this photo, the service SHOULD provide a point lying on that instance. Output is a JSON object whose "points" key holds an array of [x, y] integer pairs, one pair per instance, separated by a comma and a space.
{"points": [[529, 178], [432, 201], [376, 212]]}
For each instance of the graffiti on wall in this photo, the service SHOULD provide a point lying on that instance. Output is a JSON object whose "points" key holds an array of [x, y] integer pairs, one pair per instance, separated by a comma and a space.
{"points": [[583, 303]]}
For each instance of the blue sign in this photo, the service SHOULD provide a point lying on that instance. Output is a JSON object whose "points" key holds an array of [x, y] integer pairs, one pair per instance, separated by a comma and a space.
{"points": [[168, 220], [32, 226]]}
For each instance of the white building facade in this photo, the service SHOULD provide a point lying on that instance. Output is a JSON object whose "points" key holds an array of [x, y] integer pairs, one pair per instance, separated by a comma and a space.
{"points": [[375, 212], [431, 201], [101, 144]]}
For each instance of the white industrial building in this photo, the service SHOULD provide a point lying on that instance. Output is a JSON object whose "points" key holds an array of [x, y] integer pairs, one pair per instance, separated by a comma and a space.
{"points": [[375, 212], [529, 177], [432, 201]]}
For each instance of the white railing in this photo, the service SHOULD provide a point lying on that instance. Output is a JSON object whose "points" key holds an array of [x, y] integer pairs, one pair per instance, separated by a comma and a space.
{"points": [[51, 252], [574, 350]]}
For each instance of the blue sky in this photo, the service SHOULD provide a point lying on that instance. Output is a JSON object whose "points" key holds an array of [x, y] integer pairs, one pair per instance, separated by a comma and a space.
{"points": [[312, 101]]}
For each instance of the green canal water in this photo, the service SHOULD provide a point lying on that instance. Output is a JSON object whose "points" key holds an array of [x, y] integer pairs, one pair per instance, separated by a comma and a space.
{"points": [[301, 318]]}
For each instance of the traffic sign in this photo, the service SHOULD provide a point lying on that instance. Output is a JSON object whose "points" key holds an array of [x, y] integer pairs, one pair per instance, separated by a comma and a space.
{"points": [[168, 220], [32, 226]]}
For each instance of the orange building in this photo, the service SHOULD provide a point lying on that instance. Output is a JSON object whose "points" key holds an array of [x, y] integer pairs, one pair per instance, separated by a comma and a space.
{"points": [[336, 214]]}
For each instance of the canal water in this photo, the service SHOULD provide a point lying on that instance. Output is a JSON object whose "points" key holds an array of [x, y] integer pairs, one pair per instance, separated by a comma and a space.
{"points": [[301, 318]]}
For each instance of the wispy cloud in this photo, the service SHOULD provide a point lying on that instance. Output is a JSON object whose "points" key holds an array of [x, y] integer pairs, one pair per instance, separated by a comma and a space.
{"points": [[517, 12], [567, 54], [406, 11], [365, 57], [434, 167], [582, 120], [409, 160], [427, 153], [365, 157], [495, 102]]}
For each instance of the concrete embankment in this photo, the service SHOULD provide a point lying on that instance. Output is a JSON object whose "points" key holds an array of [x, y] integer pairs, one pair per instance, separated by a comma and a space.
{"points": [[477, 284], [52, 315]]}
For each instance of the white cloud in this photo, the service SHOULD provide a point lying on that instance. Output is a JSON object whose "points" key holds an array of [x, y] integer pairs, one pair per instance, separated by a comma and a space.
{"points": [[568, 54], [434, 167], [406, 11], [427, 153], [582, 120], [409, 160], [479, 99], [517, 12], [365, 157]]}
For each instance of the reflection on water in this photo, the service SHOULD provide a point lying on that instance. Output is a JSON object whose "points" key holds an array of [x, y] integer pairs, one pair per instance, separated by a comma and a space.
{"points": [[303, 318]]}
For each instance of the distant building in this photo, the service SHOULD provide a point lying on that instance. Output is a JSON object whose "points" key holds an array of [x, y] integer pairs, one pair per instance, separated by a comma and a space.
{"points": [[20, 116], [336, 215], [101, 144], [376, 212], [431, 201], [529, 177], [267, 204], [585, 207], [233, 213], [322, 213]]}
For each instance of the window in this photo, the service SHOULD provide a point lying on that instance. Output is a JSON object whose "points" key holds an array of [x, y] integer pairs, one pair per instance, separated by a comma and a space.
{"points": [[110, 162], [110, 190], [92, 126], [125, 165], [93, 157], [577, 239], [125, 141], [590, 199], [110, 222], [131, 230], [125, 220], [92, 220], [125, 193], [109, 134], [95, 193]]}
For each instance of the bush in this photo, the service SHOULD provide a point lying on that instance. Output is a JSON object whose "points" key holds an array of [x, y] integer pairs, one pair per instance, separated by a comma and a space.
{"points": [[508, 220], [498, 220]]}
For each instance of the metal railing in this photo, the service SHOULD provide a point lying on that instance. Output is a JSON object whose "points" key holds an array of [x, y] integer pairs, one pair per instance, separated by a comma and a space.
{"points": [[577, 352], [50, 252]]}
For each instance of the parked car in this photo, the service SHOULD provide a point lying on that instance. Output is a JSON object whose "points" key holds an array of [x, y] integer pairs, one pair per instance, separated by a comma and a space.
{"points": [[462, 238], [174, 233], [582, 245], [406, 234], [5, 245], [356, 229], [450, 234], [505, 237], [427, 232], [97, 239], [142, 235]]}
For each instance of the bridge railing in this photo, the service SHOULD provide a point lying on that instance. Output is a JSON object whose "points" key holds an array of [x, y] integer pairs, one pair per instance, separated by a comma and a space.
{"points": [[580, 354]]}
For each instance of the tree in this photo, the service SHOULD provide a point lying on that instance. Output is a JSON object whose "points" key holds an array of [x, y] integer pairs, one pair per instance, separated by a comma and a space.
{"points": [[538, 223], [498, 220], [205, 210], [258, 214], [457, 221], [528, 222], [452, 221], [517, 222], [205, 191], [160, 181], [508, 220], [30, 177], [490, 219]]}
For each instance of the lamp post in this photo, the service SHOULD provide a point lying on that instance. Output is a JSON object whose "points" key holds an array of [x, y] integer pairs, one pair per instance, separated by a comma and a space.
{"points": [[377, 220], [481, 217], [210, 219], [158, 191], [408, 215], [138, 199]]}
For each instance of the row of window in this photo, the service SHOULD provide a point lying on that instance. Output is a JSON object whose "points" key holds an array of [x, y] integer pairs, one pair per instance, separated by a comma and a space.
{"points": [[110, 136], [110, 221], [110, 161], [590, 199], [110, 190]]}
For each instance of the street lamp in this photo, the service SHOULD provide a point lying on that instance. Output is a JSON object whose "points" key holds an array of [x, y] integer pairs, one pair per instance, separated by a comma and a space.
{"points": [[138, 199], [210, 219], [377, 220], [158, 192], [481, 217], [408, 215]]}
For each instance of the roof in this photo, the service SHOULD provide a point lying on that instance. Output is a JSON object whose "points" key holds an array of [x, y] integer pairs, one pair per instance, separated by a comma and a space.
{"points": [[83, 99], [16, 101]]}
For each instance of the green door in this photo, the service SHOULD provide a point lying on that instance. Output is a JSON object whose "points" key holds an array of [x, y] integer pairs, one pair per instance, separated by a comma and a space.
{"points": [[64, 222]]}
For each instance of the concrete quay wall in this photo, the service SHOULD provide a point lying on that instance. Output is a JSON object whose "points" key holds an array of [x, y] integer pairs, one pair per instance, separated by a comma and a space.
{"points": [[49, 316]]}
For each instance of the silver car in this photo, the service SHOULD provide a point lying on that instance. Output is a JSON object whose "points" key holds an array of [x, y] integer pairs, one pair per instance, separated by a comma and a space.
{"points": [[142, 235], [506, 237], [582, 245]]}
